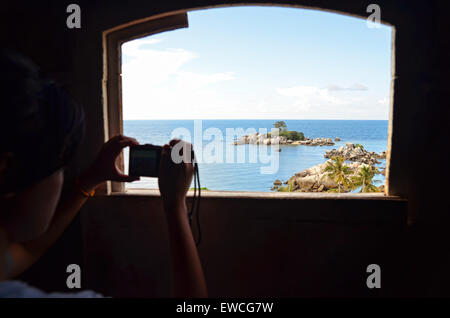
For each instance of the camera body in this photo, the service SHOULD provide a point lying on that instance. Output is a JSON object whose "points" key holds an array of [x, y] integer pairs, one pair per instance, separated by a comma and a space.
{"points": [[144, 160]]}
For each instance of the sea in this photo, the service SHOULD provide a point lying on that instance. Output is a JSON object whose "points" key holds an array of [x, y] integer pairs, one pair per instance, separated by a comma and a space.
{"points": [[220, 170]]}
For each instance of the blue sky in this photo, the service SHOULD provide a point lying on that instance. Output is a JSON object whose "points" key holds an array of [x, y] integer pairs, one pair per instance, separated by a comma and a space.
{"points": [[260, 63]]}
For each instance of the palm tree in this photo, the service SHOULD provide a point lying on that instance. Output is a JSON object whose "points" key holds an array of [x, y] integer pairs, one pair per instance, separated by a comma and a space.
{"points": [[338, 172], [364, 179]]}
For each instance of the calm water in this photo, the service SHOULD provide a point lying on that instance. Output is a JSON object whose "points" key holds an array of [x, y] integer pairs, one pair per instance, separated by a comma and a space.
{"points": [[372, 134]]}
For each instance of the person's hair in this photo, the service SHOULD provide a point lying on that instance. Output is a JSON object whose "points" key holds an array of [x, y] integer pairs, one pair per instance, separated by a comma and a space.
{"points": [[39, 125]]}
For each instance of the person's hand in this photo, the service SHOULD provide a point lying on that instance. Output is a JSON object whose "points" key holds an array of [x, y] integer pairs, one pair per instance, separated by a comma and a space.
{"points": [[105, 165], [174, 178]]}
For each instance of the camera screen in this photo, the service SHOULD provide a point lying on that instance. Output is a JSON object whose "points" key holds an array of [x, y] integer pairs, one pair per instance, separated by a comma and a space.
{"points": [[144, 161]]}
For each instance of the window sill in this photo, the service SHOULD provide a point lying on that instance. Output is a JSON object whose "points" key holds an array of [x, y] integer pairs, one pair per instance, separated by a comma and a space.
{"points": [[268, 195]]}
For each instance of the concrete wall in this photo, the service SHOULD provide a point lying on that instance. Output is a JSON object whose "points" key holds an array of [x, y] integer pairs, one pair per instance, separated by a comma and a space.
{"points": [[250, 246], [260, 246]]}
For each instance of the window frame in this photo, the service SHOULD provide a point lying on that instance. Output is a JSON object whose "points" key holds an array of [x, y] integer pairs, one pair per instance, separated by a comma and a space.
{"points": [[112, 102], [112, 69]]}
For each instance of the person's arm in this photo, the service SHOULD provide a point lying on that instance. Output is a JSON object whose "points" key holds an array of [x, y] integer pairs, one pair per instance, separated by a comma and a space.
{"points": [[104, 168], [174, 181], [26, 254]]}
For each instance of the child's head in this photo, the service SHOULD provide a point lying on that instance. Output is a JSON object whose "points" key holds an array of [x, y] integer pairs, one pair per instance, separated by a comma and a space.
{"points": [[40, 129]]}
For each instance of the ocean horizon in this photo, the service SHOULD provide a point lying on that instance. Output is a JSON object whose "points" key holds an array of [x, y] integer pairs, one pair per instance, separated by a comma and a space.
{"points": [[247, 176]]}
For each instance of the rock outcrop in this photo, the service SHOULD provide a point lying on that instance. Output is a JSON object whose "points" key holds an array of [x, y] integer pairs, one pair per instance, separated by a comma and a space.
{"points": [[351, 152], [315, 142], [263, 139], [315, 179]]}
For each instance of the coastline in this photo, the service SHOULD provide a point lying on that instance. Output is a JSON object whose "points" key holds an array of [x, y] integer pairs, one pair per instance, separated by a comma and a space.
{"points": [[246, 177]]}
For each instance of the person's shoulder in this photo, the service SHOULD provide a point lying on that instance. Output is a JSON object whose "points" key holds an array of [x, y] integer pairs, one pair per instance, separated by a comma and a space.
{"points": [[19, 289]]}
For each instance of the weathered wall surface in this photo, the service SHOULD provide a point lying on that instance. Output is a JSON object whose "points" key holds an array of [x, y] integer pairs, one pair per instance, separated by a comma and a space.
{"points": [[249, 247]]}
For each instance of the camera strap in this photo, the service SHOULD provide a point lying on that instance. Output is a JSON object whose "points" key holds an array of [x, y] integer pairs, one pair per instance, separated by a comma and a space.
{"points": [[195, 206]]}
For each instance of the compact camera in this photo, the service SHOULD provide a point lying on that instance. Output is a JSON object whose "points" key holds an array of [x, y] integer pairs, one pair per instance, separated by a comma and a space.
{"points": [[144, 160]]}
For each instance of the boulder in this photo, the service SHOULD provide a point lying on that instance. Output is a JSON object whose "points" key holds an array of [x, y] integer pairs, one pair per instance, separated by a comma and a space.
{"points": [[315, 142], [302, 174], [252, 138], [352, 153], [337, 139], [275, 140], [277, 182], [257, 138], [241, 141], [306, 183], [260, 139], [315, 179]]}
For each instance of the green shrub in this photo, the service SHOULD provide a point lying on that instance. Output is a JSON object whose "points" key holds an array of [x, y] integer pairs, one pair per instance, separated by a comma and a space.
{"points": [[289, 134], [293, 135], [286, 188], [283, 189], [359, 146]]}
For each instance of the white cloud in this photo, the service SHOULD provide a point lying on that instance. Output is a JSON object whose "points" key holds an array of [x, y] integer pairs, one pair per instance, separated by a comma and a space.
{"points": [[311, 102], [354, 87], [158, 84], [358, 87], [190, 80], [307, 97], [134, 48], [155, 85]]}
